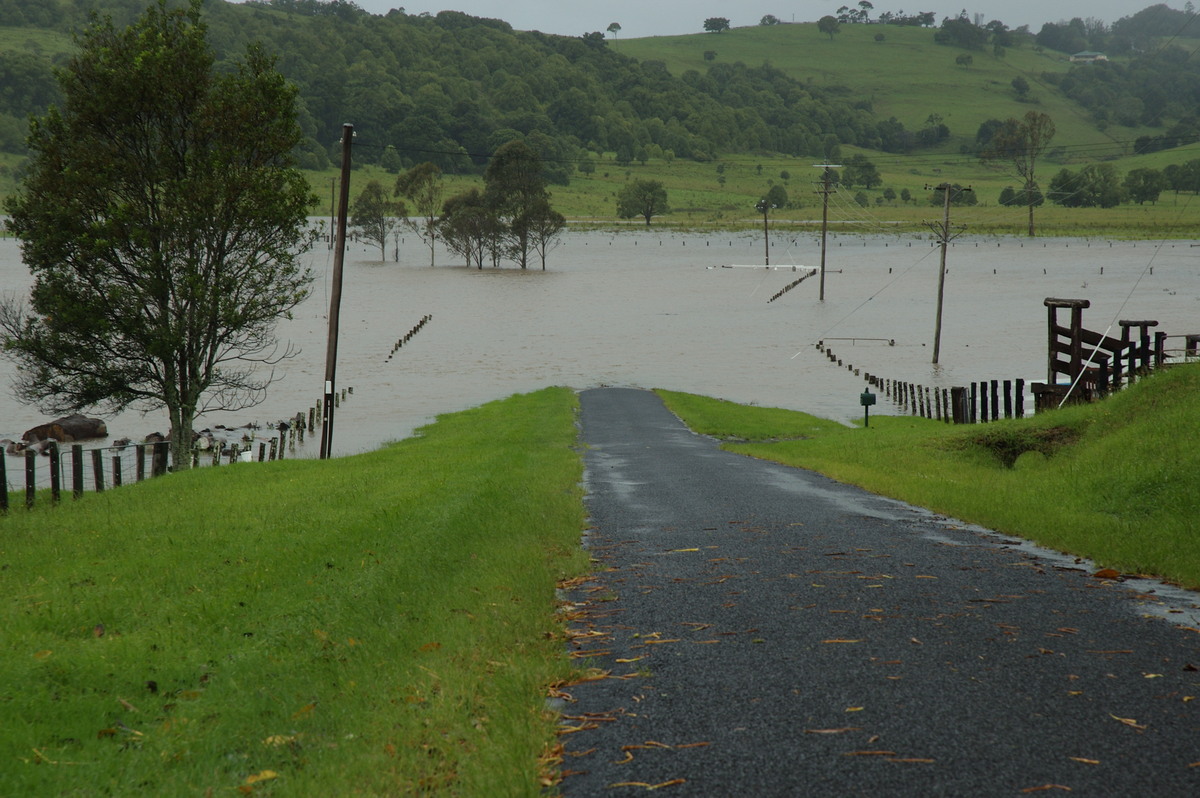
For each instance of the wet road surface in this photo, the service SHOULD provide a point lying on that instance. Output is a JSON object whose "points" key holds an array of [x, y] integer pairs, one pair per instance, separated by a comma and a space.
{"points": [[765, 631]]}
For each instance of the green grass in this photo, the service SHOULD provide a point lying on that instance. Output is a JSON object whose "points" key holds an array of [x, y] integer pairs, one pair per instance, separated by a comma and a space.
{"points": [[1113, 481], [380, 625]]}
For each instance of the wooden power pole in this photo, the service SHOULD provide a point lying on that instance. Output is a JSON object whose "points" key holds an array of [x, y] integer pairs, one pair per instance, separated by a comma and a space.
{"points": [[943, 232], [335, 296], [824, 192]]}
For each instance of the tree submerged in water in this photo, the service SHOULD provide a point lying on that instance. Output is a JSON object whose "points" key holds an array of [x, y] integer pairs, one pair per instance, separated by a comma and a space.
{"points": [[162, 221]]}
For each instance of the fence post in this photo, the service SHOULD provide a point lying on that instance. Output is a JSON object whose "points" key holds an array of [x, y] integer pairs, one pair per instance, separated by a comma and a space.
{"points": [[1008, 405], [957, 394], [983, 402], [116, 470], [55, 474], [158, 458], [3, 486], [98, 469], [77, 470], [1020, 398], [995, 400], [30, 477], [139, 468]]}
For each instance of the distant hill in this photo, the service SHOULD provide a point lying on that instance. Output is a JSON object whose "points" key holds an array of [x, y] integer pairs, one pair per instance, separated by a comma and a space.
{"points": [[451, 88]]}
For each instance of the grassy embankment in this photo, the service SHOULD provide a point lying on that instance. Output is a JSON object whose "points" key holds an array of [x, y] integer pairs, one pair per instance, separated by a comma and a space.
{"points": [[1112, 481], [378, 625]]}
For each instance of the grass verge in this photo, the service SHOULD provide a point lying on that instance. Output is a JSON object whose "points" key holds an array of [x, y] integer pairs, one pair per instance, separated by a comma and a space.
{"points": [[1112, 481], [377, 625]]}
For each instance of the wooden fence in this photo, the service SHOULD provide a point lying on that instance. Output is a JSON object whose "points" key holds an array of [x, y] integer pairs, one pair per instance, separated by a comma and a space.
{"points": [[105, 467], [979, 402]]}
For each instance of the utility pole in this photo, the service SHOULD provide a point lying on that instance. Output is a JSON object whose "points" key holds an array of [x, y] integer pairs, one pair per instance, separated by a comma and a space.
{"points": [[943, 233], [824, 192], [763, 206], [335, 296]]}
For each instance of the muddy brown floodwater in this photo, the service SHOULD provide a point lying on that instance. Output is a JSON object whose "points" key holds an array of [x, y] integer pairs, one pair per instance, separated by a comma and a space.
{"points": [[658, 309]]}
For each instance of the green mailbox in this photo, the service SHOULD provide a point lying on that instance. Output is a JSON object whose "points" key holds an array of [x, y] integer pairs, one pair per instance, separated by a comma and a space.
{"points": [[866, 399]]}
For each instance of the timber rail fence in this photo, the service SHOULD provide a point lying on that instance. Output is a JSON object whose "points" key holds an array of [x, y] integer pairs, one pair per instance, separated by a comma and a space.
{"points": [[103, 467], [979, 402], [1082, 366], [112, 465]]}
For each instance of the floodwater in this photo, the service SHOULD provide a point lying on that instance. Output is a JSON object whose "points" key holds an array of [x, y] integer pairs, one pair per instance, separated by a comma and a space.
{"points": [[658, 309]]}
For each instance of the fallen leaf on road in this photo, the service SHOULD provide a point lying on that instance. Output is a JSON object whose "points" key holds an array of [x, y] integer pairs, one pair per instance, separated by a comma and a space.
{"points": [[670, 783], [1130, 722], [840, 640], [842, 730], [672, 551], [1084, 760], [1107, 573], [1047, 787], [914, 760], [869, 753]]}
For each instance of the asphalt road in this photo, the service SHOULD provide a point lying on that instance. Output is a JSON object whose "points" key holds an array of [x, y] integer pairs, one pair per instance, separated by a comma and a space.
{"points": [[769, 632]]}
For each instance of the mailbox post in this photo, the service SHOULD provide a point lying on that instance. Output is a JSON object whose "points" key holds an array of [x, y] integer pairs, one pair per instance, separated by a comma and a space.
{"points": [[866, 399]]}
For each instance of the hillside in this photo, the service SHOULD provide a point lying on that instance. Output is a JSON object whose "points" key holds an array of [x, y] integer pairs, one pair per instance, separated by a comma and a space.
{"points": [[906, 76], [718, 117]]}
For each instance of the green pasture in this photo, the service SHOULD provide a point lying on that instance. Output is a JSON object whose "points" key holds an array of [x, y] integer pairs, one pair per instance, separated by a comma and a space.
{"points": [[383, 624]]}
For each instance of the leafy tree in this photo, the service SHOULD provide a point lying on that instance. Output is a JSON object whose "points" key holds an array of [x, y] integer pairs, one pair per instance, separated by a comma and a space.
{"points": [[390, 160], [514, 187], [614, 28], [710, 55], [1021, 143], [829, 25], [964, 60], [1144, 185], [645, 198], [422, 186], [470, 228], [961, 32], [859, 171], [959, 195], [1096, 185], [375, 216], [716, 24], [545, 227], [1020, 86], [905, 195], [163, 223], [777, 196], [889, 194], [769, 19]]}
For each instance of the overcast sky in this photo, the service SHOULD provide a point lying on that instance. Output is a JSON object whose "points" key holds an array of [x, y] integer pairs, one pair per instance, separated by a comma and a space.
{"points": [[671, 17]]}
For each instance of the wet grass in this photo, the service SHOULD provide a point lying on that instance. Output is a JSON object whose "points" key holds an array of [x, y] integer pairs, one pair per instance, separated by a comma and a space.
{"points": [[1113, 481], [382, 624]]}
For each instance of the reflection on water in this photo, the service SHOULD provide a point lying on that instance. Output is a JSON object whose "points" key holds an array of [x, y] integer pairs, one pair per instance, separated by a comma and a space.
{"points": [[656, 310]]}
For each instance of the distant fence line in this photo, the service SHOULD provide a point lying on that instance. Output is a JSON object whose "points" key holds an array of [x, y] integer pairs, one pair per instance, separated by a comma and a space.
{"points": [[89, 469], [979, 402]]}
